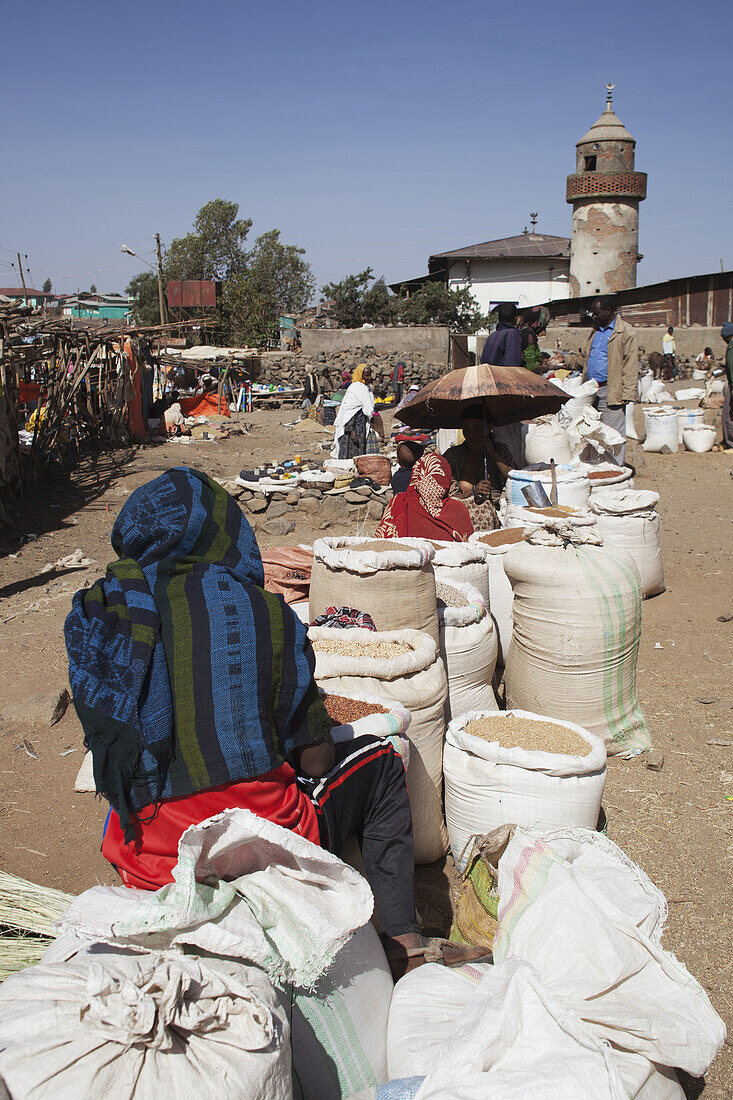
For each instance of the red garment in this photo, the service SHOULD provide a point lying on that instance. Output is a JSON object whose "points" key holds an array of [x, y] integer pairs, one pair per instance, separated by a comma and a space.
{"points": [[147, 862], [425, 511]]}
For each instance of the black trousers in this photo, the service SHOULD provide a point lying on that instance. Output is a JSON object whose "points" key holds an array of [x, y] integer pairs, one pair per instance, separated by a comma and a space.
{"points": [[397, 387], [365, 795]]}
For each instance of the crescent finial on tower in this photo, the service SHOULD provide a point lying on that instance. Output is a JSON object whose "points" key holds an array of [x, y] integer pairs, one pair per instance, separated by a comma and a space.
{"points": [[609, 96]]}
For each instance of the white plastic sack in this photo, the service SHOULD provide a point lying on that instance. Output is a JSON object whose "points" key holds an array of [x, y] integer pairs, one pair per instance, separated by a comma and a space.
{"points": [[463, 563], [302, 610], [582, 394], [500, 593], [588, 434], [577, 627], [692, 394], [392, 726], [645, 380], [417, 680], [469, 648], [546, 439], [661, 430], [113, 1023], [700, 439], [487, 785], [339, 1029], [589, 921], [507, 1038], [689, 418], [629, 521], [656, 393], [630, 430], [622, 477], [573, 488], [395, 585], [243, 888], [514, 515]]}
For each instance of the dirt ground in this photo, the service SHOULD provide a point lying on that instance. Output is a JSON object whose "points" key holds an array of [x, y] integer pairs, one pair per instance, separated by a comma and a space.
{"points": [[675, 823]]}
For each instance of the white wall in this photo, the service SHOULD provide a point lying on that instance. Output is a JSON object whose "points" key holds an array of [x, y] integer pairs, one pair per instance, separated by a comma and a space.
{"points": [[527, 282]]}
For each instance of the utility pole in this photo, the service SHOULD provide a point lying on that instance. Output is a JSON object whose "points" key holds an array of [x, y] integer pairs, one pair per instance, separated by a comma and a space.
{"points": [[22, 279], [161, 301]]}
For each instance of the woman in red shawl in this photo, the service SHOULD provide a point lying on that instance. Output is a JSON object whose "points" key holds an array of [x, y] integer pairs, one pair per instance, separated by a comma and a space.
{"points": [[425, 511]]}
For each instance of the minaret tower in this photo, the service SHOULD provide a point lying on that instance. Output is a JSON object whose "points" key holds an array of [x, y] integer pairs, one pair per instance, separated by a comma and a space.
{"points": [[605, 192]]}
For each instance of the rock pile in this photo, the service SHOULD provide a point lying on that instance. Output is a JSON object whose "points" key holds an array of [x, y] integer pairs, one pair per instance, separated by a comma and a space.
{"points": [[284, 368], [277, 513]]}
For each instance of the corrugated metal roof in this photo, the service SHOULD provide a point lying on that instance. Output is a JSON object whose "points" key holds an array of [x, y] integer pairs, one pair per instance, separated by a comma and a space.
{"points": [[523, 246]]}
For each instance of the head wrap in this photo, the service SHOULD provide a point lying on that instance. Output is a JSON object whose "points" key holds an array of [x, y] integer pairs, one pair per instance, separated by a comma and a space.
{"points": [[727, 330], [187, 675], [358, 375], [425, 510], [536, 318]]}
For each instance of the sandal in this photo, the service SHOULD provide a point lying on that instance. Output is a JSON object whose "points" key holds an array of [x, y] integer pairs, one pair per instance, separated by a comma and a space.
{"points": [[431, 949]]}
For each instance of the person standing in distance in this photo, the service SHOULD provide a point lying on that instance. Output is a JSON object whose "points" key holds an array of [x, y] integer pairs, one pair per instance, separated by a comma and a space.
{"points": [[611, 356]]}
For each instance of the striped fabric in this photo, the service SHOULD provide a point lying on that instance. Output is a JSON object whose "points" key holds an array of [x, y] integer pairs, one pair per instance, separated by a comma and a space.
{"points": [[185, 673]]}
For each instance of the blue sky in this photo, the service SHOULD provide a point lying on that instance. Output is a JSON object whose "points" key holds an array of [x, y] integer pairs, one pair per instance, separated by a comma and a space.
{"points": [[370, 134]]}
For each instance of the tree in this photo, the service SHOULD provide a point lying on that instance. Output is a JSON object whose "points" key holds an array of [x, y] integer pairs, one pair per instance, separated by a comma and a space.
{"points": [[47, 286], [143, 289], [347, 298], [276, 280], [436, 304], [215, 248], [93, 288]]}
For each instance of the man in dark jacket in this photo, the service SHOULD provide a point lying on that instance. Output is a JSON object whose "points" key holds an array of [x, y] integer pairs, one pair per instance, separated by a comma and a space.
{"points": [[504, 346]]}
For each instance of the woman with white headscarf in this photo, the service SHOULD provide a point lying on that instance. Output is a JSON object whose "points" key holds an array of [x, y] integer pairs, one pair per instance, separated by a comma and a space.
{"points": [[354, 418]]}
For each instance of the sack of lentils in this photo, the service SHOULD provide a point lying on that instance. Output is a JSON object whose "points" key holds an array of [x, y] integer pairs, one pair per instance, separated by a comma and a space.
{"points": [[397, 666], [390, 579]]}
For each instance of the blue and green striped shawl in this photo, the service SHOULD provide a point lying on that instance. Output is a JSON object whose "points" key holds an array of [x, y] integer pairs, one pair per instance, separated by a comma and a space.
{"points": [[185, 673]]}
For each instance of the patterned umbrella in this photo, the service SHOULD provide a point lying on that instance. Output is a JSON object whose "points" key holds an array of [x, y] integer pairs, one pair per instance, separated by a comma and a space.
{"points": [[506, 393]]}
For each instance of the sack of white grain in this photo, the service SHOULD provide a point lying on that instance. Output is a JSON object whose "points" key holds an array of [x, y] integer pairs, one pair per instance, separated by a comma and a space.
{"points": [[469, 648], [402, 666], [495, 545], [522, 769], [339, 1028], [607, 475], [461, 562], [577, 627], [689, 418], [390, 579], [629, 520]]}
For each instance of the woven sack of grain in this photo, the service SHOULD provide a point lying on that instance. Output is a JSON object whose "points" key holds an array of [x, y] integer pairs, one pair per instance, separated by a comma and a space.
{"points": [[662, 433], [488, 785], [629, 520], [339, 1028], [546, 439], [607, 475], [469, 648], [390, 725], [577, 627], [463, 562], [391, 580], [500, 590], [517, 515], [416, 679]]}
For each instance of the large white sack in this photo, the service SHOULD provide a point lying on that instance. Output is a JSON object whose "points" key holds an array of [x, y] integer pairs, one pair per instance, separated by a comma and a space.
{"points": [[582, 394], [700, 439], [488, 785], [392, 726], [513, 1040], [656, 392], [461, 562], [114, 1023], [395, 584], [469, 648], [417, 680], [629, 520], [689, 418], [546, 439], [500, 590], [615, 477], [630, 430], [515, 515], [573, 487], [577, 628], [427, 1014], [661, 430], [339, 1029], [589, 921], [588, 434], [243, 888]]}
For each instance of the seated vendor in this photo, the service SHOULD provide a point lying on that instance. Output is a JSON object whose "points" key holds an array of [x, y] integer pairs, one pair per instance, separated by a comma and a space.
{"points": [[480, 467], [409, 451], [426, 511], [195, 690]]}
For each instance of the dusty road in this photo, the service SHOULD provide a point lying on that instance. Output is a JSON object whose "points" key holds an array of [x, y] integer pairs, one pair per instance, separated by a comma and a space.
{"points": [[676, 823]]}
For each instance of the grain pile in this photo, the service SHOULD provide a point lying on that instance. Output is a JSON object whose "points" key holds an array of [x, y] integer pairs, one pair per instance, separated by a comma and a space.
{"points": [[600, 475], [562, 511], [503, 538], [379, 545], [344, 711], [347, 648], [529, 734], [448, 596]]}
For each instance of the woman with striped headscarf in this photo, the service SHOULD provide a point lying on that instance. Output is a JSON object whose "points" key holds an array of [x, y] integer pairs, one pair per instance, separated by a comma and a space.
{"points": [[425, 510]]}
